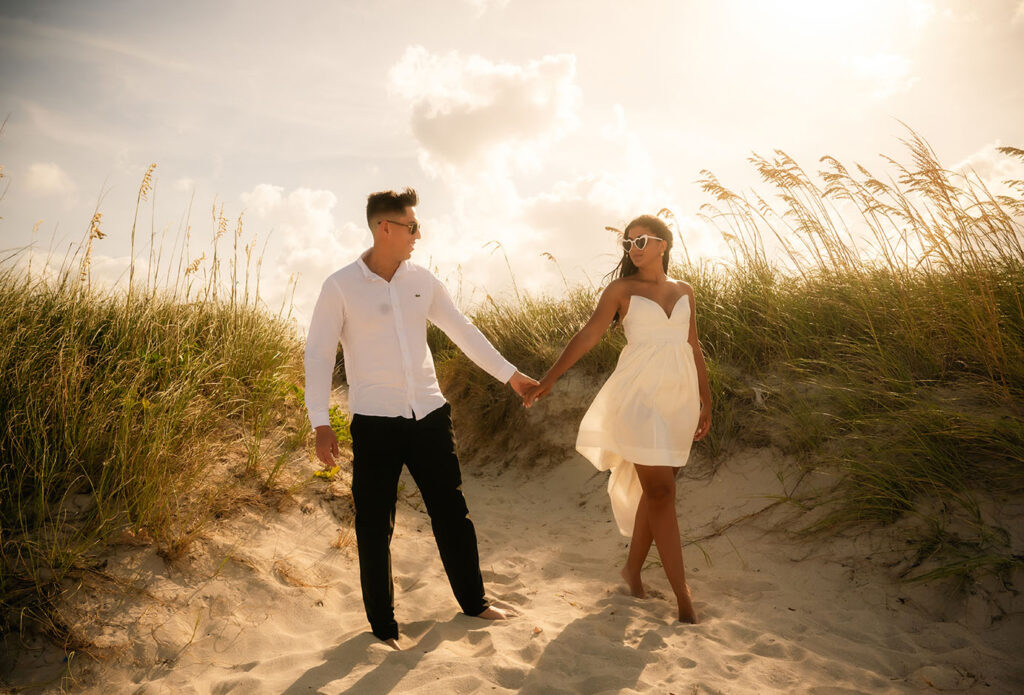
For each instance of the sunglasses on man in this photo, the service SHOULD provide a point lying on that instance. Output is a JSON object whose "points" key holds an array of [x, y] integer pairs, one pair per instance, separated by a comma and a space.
{"points": [[412, 226]]}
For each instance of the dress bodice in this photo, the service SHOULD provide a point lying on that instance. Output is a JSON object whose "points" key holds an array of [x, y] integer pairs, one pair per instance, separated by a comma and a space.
{"points": [[647, 411], [646, 321]]}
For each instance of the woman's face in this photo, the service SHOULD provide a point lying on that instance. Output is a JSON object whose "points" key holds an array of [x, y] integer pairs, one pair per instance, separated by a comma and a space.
{"points": [[653, 247]]}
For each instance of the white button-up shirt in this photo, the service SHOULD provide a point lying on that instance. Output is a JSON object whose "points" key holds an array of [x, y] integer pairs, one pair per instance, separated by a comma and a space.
{"points": [[382, 327]]}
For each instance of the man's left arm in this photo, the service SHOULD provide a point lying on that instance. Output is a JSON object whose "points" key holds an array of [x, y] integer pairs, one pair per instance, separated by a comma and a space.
{"points": [[445, 315]]}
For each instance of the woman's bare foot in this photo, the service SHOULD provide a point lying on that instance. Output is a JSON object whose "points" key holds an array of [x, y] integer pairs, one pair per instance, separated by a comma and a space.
{"points": [[393, 643], [687, 614], [636, 587]]}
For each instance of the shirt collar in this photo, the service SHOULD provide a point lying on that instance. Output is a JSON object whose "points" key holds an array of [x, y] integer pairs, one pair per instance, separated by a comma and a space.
{"points": [[369, 274]]}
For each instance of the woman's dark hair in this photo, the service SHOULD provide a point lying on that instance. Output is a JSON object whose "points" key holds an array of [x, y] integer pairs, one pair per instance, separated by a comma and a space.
{"points": [[625, 268], [386, 202], [658, 228]]}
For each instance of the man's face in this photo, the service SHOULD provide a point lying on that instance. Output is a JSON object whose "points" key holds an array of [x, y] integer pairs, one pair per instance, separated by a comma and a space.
{"points": [[400, 232]]}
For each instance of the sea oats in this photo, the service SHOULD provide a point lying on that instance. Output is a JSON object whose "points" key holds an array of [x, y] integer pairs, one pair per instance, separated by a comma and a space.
{"points": [[94, 234], [147, 182], [194, 265]]}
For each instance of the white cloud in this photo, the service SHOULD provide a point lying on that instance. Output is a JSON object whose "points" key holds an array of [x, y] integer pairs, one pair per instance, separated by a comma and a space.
{"points": [[567, 220], [306, 243], [185, 184], [479, 126], [993, 168], [888, 73], [920, 14], [105, 272], [263, 200], [311, 244], [570, 223], [467, 110], [47, 178]]}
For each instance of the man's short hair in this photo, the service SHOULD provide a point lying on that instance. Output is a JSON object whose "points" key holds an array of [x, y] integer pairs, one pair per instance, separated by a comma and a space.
{"points": [[389, 202]]}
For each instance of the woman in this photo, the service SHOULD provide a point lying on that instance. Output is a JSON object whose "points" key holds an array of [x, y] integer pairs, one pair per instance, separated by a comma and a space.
{"points": [[653, 406]]}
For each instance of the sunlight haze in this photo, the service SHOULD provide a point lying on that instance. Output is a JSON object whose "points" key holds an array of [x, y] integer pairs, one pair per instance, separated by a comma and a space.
{"points": [[531, 124]]}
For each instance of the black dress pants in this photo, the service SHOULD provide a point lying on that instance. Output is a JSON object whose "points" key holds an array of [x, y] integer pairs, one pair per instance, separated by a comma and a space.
{"points": [[380, 447]]}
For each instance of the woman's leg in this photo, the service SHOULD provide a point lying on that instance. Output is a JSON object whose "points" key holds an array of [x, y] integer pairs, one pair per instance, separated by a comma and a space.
{"points": [[659, 486], [639, 546]]}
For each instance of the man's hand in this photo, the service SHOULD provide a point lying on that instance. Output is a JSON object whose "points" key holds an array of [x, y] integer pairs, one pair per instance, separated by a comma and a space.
{"points": [[521, 383], [326, 445]]}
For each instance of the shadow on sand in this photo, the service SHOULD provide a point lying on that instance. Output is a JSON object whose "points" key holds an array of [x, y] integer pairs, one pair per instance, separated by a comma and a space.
{"points": [[571, 664], [418, 639], [574, 662]]}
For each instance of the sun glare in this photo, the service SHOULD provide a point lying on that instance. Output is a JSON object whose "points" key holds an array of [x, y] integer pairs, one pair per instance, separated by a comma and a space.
{"points": [[806, 26]]}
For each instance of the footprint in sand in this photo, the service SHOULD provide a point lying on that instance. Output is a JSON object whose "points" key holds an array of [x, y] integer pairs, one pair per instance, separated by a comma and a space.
{"points": [[507, 581], [771, 648], [652, 642], [731, 633], [507, 589], [513, 600], [509, 678], [749, 590], [407, 582]]}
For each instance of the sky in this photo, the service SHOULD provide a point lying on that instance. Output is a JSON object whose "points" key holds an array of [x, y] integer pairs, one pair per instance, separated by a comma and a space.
{"points": [[526, 126]]}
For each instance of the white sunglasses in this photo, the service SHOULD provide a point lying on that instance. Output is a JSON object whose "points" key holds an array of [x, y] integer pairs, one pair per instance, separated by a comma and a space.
{"points": [[640, 242]]}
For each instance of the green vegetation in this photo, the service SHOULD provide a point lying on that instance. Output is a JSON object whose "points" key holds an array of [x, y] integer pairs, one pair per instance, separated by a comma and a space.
{"points": [[340, 425], [887, 345], [138, 412]]}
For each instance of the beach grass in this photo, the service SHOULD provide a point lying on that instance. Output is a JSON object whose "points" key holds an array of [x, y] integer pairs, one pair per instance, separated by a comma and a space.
{"points": [[871, 327], [132, 414]]}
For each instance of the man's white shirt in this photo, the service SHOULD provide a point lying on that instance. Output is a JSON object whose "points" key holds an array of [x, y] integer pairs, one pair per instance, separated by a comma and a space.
{"points": [[382, 327]]}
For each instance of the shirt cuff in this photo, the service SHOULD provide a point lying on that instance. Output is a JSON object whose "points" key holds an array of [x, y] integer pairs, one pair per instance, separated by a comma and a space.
{"points": [[506, 373], [319, 418]]}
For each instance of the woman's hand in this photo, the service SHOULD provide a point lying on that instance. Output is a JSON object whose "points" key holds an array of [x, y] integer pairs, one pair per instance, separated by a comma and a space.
{"points": [[539, 391], [704, 423]]}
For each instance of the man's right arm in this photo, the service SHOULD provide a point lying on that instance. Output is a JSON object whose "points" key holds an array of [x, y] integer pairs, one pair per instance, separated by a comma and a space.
{"points": [[321, 352]]}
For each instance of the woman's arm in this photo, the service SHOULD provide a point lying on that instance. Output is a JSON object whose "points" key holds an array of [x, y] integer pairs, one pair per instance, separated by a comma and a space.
{"points": [[583, 341], [703, 385]]}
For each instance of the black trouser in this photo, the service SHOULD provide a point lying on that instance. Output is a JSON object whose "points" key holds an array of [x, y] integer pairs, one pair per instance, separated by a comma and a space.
{"points": [[380, 447]]}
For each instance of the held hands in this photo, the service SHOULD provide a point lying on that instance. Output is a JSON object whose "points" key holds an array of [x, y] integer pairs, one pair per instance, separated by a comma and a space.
{"points": [[539, 391], [521, 383], [528, 388]]}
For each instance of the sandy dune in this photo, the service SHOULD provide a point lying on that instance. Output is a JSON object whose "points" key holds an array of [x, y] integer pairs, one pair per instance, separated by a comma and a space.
{"points": [[265, 604]]}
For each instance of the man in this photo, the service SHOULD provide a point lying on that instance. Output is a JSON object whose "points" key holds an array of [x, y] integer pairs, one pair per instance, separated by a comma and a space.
{"points": [[378, 308]]}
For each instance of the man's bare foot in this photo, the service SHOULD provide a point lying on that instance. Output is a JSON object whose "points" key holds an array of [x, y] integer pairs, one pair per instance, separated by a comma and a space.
{"points": [[493, 613], [393, 643], [687, 614], [636, 587]]}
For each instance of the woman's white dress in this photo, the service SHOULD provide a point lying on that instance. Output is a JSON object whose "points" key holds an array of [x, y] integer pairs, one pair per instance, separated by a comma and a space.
{"points": [[647, 411]]}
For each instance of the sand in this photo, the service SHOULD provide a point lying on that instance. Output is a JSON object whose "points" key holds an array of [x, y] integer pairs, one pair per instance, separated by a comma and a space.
{"points": [[264, 602]]}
